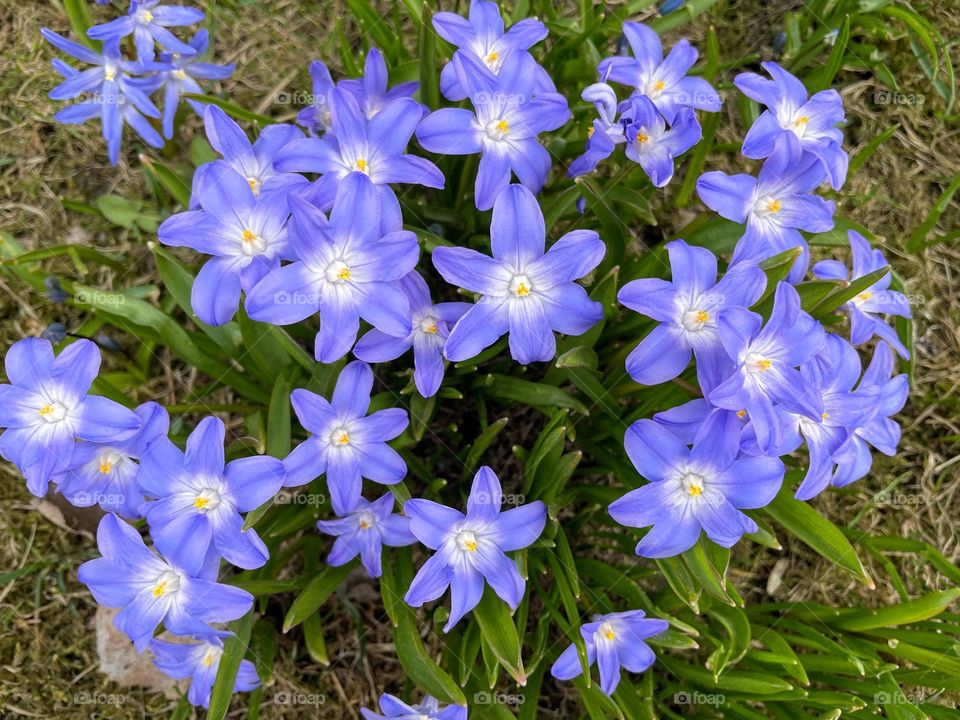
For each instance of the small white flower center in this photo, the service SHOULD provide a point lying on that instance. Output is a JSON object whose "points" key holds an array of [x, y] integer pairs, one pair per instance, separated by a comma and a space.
{"points": [[692, 484], [428, 325], [167, 583], [799, 125], [179, 74], [758, 364], [466, 541], [252, 244], [212, 656], [493, 61], [254, 184], [362, 166], [53, 412], [694, 320], [109, 459], [655, 88], [497, 129], [521, 286], [144, 16], [767, 206], [337, 272], [340, 437], [365, 520], [607, 630], [109, 72], [207, 499]]}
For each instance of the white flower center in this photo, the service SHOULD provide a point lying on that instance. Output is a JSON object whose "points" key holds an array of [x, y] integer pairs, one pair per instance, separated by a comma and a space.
{"points": [[252, 244], [799, 125], [254, 184], [144, 16], [212, 656], [365, 520], [109, 459], [493, 61], [694, 320], [109, 72], [167, 583], [692, 484], [53, 411], [497, 129], [766, 206], [207, 499], [607, 630], [179, 74], [756, 363], [521, 286], [655, 88], [337, 272], [428, 325], [340, 437], [466, 541]]}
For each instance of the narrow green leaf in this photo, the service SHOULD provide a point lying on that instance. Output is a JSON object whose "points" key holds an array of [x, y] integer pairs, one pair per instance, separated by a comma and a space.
{"points": [[912, 611], [315, 594], [496, 626], [234, 648]]}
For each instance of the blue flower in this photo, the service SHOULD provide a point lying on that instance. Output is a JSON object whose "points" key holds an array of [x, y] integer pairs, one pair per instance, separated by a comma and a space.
{"points": [[613, 640], [503, 126], [116, 96], [199, 498], [775, 206], [346, 443], [887, 393], [393, 708], [604, 134], [687, 310], [650, 143], [150, 590], [371, 91], [526, 291], [46, 408], [364, 530], [373, 147], [105, 474], [431, 326], [692, 489], [482, 36], [346, 268], [179, 74], [832, 373], [148, 21], [199, 661], [472, 547], [316, 118], [663, 81], [766, 364], [253, 161], [792, 117], [867, 309], [245, 233]]}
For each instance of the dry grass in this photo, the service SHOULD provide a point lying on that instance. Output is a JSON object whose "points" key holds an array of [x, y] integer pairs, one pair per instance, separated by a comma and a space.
{"points": [[47, 650]]}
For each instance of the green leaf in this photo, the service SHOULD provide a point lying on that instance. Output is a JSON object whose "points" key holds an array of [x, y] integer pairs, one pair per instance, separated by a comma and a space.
{"points": [[168, 179], [481, 444], [429, 83], [497, 628], [530, 393], [315, 594], [857, 161], [79, 16], [823, 79], [704, 573], [918, 238], [234, 111], [234, 648], [816, 531], [912, 611]]}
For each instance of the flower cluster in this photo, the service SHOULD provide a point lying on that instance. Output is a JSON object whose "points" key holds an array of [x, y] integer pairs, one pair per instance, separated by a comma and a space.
{"points": [[118, 89], [656, 123], [304, 223]]}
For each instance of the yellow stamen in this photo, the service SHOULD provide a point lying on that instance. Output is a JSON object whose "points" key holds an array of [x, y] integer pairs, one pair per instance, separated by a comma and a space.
{"points": [[764, 365], [249, 236], [702, 316], [695, 490], [471, 545], [522, 290], [774, 206], [362, 165], [343, 439], [802, 120], [179, 74], [344, 274], [741, 414], [493, 57], [824, 416], [160, 589], [864, 296], [431, 328], [610, 634], [146, 16], [641, 138], [503, 126], [109, 74], [659, 85], [46, 410], [201, 502], [105, 466], [254, 184], [208, 660], [364, 524], [590, 131]]}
